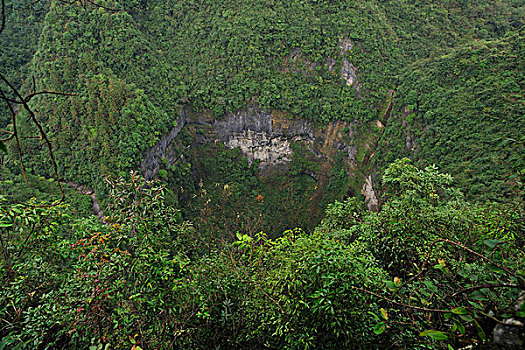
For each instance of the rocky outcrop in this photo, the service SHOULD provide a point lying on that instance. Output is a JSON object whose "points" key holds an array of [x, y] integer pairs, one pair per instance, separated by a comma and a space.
{"points": [[349, 73], [297, 62], [511, 334], [370, 194], [97, 210], [348, 70], [261, 136], [150, 164]]}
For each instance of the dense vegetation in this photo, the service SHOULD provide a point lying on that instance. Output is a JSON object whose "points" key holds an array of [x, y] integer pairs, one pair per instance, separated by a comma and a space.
{"points": [[459, 110], [428, 270], [215, 252], [132, 64], [19, 42]]}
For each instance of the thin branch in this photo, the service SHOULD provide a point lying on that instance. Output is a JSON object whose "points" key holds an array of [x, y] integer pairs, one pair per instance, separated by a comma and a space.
{"points": [[10, 100], [15, 135], [400, 304], [482, 286], [41, 130], [2, 16], [90, 2], [29, 91], [47, 92], [496, 320]]}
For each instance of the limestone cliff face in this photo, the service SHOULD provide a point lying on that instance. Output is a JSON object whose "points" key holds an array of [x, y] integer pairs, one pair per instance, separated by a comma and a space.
{"points": [[263, 136], [348, 72], [268, 137], [369, 192], [150, 164]]}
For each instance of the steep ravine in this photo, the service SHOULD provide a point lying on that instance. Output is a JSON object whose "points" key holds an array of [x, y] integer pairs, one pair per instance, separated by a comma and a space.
{"points": [[368, 189], [97, 209], [268, 138], [150, 164]]}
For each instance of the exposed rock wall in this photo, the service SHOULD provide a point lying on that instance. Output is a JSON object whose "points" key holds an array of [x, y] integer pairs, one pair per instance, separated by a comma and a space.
{"points": [[511, 334], [267, 137], [97, 210], [262, 136], [150, 164], [297, 62], [370, 194]]}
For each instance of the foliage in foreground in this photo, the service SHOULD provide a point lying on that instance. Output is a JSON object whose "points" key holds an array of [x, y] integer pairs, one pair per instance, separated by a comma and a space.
{"points": [[428, 271]]}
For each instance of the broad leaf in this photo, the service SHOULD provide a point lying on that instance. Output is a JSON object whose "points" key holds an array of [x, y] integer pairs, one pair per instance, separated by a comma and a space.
{"points": [[379, 328], [437, 335]]}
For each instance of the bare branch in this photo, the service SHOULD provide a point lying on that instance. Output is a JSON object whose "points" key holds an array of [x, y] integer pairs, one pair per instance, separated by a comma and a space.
{"points": [[482, 286], [15, 135], [400, 304], [47, 92], [29, 91], [88, 2], [43, 134], [498, 321]]}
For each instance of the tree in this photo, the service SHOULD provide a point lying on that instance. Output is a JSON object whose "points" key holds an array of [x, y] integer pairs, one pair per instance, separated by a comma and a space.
{"points": [[456, 269]]}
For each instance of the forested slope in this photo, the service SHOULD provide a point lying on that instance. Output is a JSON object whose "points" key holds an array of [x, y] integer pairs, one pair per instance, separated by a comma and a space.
{"points": [[19, 39], [230, 249], [458, 110], [131, 67]]}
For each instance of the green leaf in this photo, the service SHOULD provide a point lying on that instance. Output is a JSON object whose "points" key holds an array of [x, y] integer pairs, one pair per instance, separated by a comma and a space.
{"points": [[459, 311], [495, 268], [3, 147], [459, 326], [466, 318], [449, 347], [437, 335], [379, 328], [476, 305], [390, 285], [491, 243], [481, 332], [20, 345], [376, 318], [431, 286], [478, 295], [384, 313]]}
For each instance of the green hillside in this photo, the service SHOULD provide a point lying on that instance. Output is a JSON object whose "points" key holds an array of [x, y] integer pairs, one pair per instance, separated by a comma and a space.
{"points": [[457, 110], [132, 66], [262, 174]]}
